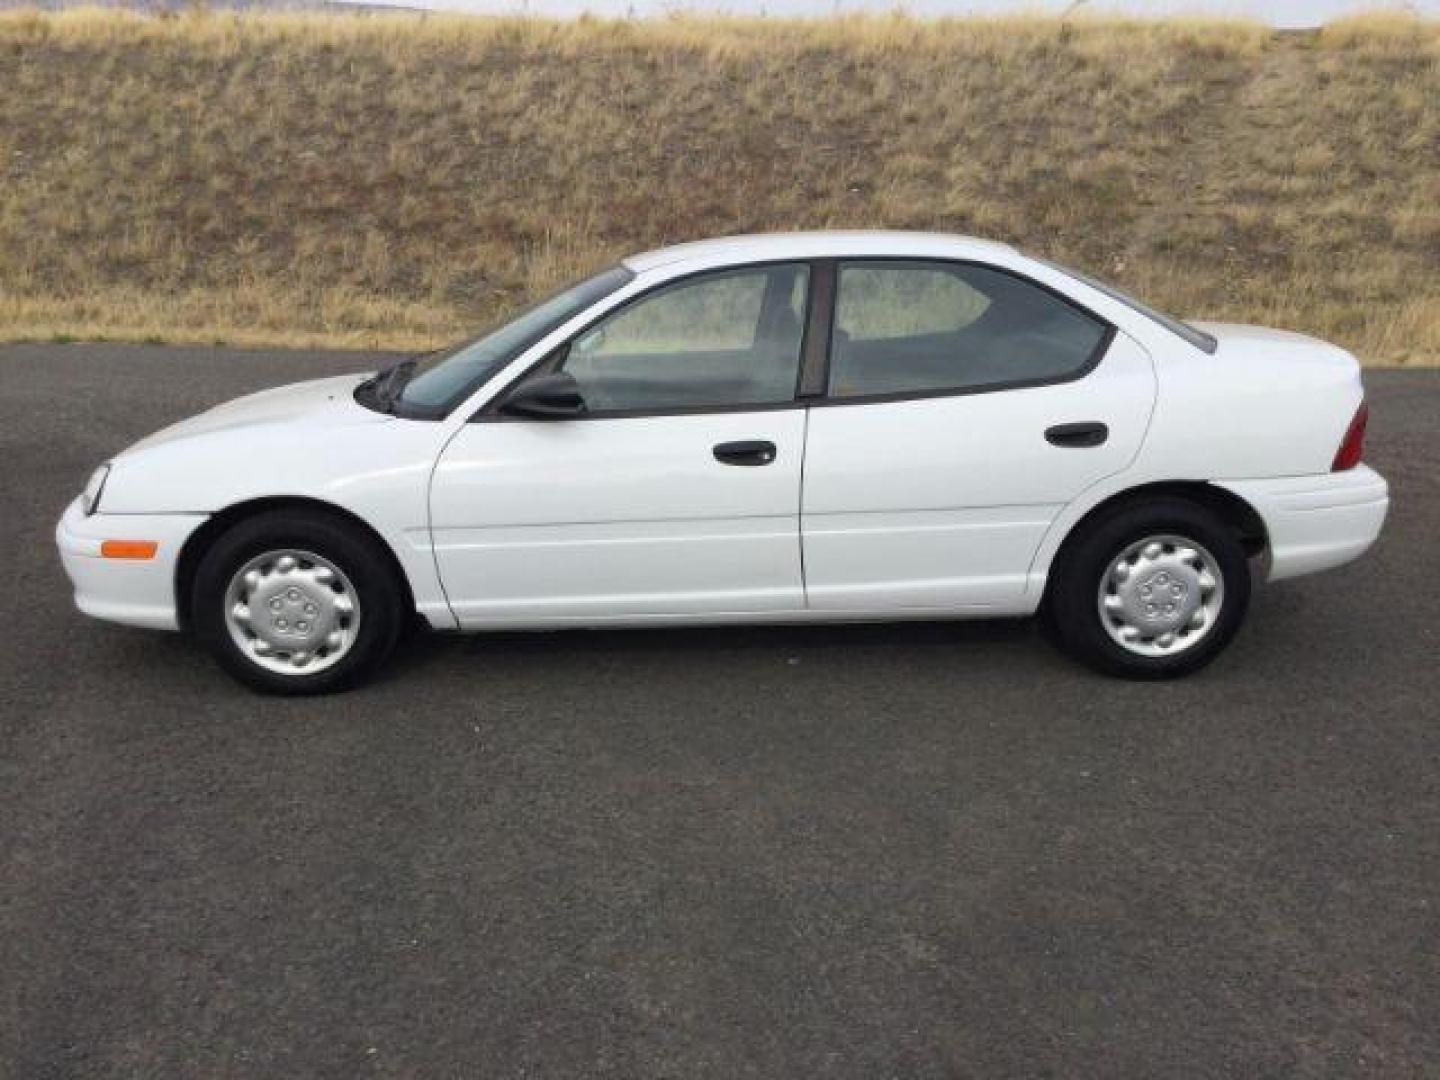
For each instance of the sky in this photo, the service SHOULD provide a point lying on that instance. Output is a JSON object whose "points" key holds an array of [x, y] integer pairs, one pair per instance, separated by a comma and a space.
{"points": [[1284, 13]]}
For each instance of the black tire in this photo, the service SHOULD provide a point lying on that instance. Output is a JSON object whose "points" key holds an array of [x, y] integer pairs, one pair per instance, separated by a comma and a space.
{"points": [[358, 556], [1072, 607]]}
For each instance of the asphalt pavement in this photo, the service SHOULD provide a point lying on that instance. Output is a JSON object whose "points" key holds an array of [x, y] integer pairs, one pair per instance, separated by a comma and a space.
{"points": [[882, 851]]}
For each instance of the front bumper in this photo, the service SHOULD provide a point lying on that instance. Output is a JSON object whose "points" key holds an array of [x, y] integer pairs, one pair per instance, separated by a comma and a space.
{"points": [[1316, 522], [137, 592]]}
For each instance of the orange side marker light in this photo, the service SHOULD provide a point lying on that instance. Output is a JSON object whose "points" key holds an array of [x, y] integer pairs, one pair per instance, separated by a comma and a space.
{"points": [[128, 549]]}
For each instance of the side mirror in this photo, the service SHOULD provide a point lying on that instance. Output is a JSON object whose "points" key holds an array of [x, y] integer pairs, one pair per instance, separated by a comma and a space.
{"points": [[547, 397]]}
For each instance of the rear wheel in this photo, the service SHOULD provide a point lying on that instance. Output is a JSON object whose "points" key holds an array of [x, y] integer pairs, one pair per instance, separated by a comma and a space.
{"points": [[296, 602], [1149, 590]]}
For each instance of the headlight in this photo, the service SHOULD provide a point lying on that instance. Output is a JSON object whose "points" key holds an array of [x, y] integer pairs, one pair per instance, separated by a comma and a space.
{"points": [[90, 497]]}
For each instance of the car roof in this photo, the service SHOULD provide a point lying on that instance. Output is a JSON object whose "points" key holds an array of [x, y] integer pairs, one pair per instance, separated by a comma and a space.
{"points": [[763, 247]]}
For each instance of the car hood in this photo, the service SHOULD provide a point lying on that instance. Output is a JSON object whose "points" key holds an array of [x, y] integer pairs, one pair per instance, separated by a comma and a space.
{"points": [[319, 401]]}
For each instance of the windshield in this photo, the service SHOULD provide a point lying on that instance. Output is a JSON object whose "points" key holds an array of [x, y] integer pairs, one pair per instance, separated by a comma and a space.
{"points": [[435, 382], [1201, 340]]}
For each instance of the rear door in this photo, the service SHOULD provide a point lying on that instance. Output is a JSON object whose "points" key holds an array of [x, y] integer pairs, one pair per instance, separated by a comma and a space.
{"points": [[963, 408], [676, 496]]}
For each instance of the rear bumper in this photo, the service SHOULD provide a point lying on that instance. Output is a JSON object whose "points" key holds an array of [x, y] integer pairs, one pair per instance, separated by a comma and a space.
{"points": [[137, 592], [1316, 522]]}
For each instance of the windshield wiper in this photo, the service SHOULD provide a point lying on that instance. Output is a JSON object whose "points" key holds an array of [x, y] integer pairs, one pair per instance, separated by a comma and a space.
{"points": [[382, 390], [392, 380]]}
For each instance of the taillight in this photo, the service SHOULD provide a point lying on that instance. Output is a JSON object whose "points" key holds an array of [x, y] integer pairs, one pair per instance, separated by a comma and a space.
{"points": [[1352, 447]]}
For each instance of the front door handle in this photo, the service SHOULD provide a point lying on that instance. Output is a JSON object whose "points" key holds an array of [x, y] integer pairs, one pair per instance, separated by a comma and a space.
{"points": [[1088, 433], [745, 452]]}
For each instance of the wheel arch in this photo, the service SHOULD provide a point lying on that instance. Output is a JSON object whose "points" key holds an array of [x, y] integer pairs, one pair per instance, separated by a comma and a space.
{"points": [[217, 524], [1237, 514]]}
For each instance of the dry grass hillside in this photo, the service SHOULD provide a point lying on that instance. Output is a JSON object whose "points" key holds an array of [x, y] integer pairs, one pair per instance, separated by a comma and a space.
{"points": [[395, 180]]}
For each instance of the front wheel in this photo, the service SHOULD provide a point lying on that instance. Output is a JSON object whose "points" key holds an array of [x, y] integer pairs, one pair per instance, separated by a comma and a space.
{"points": [[1150, 590], [296, 602]]}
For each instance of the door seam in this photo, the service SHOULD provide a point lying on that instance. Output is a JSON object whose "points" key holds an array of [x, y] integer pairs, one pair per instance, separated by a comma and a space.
{"points": [[800, 510]]}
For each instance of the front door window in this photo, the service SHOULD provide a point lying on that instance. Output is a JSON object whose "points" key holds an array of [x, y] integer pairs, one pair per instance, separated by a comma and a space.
{"points": [[717, 341]]}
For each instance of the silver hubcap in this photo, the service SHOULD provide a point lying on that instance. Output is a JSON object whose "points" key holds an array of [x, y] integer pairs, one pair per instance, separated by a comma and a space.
{"points": [[1161, 596], [292, 611]]}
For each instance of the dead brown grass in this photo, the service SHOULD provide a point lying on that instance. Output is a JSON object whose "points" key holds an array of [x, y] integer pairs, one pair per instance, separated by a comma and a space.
{"points": [[395, 180]]}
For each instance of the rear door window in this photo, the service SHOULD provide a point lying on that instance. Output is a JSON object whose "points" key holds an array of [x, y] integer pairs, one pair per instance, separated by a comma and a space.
{"points": [[905, 327]]}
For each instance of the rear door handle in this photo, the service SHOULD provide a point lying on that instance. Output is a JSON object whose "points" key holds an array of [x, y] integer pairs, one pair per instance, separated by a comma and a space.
{"points": [[1088, 433], [745, 452]]}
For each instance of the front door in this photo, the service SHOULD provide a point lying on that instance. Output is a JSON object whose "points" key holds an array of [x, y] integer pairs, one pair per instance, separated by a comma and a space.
{"points": [[677, 495], [965, 407]]}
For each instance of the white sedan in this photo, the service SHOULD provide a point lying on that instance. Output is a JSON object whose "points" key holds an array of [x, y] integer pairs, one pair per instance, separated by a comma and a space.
{"points": [[785, 428]]}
